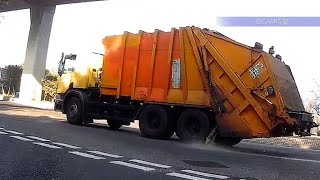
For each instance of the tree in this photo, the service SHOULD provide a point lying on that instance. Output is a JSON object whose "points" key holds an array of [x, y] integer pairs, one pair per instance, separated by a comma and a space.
{"points": [[312, 104], [13, 75], [49, 85]]}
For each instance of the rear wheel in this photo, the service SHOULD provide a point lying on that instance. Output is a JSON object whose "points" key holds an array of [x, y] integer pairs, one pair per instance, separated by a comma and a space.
{"points": [[74, 111], [114, 124], [154, 122], [193, 126]]}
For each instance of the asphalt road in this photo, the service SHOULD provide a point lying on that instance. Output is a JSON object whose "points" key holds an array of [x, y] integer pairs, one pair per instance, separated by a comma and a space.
{"points": [[39, 144]]}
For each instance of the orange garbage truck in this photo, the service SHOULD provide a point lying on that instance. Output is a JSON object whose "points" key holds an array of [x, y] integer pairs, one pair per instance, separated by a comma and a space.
{"points": [[194, 82]]}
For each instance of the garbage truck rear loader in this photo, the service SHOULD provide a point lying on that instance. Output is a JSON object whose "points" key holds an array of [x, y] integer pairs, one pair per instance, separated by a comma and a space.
{"points": [[193, 82]]}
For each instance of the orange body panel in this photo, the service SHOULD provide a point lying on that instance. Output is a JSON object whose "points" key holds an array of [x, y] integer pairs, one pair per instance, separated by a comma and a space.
{"points": [[140, 68], [177, 67]]}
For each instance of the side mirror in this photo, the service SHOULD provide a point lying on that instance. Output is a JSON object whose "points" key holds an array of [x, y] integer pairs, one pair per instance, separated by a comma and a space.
{"points": [[60, 69], [71, 56], [61, 65]]}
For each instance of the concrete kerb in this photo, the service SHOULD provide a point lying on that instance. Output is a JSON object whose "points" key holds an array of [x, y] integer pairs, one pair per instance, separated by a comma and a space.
{"points": [[36, 104], [312, 143]]}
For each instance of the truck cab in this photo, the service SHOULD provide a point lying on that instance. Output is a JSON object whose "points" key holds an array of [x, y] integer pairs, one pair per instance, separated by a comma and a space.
{"points": [[77, 71]]}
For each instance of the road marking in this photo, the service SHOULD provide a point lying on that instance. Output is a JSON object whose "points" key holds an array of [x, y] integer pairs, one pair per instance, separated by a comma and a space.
{"points": [[38, 138], [132, 165], [150, 163], [287, 158], [21, 138], [14, 132], [185, 176], [3, 132], [105, 154], [206, 174], [47, 145], [86, 155], [67, 145]]}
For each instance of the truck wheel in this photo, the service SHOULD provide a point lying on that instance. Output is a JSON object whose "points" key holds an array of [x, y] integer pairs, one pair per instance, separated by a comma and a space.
{"points": [[193, 126], [74, 111], [227, 141], [114, 124], [154, 122]]}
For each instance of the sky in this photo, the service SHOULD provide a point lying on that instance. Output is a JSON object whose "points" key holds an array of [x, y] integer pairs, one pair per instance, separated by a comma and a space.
{"points": [[81, 27]]}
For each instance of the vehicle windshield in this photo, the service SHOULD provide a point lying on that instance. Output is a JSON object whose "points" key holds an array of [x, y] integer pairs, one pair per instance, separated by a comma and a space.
{"points": [[69, 65]]}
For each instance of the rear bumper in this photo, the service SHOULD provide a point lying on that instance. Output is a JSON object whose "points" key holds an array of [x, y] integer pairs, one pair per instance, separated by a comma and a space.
{"points": [[304, 122]]}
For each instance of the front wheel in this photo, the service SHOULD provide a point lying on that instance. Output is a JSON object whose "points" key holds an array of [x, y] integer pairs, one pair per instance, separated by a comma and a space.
{"points": [[74, 111]]}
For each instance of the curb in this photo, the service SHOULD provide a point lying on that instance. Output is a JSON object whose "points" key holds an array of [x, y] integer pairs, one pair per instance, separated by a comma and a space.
{"points": [[35, 104], [296, 142]]}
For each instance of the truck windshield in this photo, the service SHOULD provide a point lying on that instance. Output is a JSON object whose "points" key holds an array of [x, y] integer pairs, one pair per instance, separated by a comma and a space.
{"points": [[69, 66]]}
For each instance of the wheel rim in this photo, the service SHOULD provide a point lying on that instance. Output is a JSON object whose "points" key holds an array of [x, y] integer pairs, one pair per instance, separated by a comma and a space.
{"points": [[73, 110], [193, 127], [154, 120]]}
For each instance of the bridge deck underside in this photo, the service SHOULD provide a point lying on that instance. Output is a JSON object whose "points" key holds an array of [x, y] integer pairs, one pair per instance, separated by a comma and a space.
{"points": [[13, 5]]}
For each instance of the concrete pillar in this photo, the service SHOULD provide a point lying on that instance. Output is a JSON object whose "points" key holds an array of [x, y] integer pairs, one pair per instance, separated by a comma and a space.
{"points": [[36, 53]]}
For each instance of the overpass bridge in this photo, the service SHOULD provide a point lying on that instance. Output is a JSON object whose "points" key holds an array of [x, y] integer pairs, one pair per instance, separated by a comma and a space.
{"points": [[41, 18]]}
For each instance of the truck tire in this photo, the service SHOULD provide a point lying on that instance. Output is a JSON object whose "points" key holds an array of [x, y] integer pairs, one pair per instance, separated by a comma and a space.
{"points": [[73, 111], [154, 122], [114, 124], [193, 126], [227, 141]]}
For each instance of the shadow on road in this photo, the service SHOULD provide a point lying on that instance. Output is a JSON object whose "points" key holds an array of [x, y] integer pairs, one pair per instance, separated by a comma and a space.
{"points": [[11, 110], [40, 118], [22, 113]]}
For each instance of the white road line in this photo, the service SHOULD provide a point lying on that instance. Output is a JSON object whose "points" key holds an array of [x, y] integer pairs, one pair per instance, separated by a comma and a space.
{"points": [[287, 158], [132, 165], [86, 155], [206, 174], [105, 154], [21, 138], [14, 132], [66, 145], [47, 145], [150, 163], [38, 138], [3, 132], [186, 176]]}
